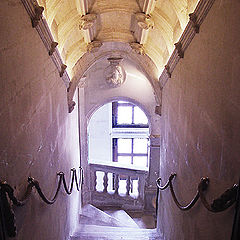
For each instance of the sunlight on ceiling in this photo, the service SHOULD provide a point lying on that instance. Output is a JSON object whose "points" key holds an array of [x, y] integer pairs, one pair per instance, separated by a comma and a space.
{"points": [[149, 27]]}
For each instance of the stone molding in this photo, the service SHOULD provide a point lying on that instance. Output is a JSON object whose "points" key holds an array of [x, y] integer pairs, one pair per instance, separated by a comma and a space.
{"points": [[39, 23], [195, 20]]}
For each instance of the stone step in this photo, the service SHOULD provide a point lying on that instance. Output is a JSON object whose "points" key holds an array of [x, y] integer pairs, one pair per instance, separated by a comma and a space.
{"points": [[93, 216], [114, 233], [122, 216]]}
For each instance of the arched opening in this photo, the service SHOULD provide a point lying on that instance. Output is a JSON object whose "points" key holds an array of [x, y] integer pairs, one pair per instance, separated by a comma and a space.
{"points": [[118, 135], [119, 132]]}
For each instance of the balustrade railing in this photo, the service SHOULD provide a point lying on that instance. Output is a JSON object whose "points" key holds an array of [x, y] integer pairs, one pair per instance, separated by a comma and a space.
{"points": [[117, 185]]}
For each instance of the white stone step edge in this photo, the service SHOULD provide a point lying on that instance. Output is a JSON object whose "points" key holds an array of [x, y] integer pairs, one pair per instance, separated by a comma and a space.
{"points": [[123, 216], [97, 216]]}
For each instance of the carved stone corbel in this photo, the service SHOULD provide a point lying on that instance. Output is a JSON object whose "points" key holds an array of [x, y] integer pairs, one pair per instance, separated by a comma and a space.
{"points": [[178, 46], [193, 19], [63, 68], [71, 106], [138, 48], [144, 21], [87, 21], [52, 49], [94, 46], [38, 15], [168, 71], [158, 110]]}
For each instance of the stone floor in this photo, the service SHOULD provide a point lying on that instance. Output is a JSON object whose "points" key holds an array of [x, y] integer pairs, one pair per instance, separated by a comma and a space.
{"points": [[114, 224]]}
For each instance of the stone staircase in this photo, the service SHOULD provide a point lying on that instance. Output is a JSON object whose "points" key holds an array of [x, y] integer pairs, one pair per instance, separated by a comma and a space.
{"points": [[112, 225]]}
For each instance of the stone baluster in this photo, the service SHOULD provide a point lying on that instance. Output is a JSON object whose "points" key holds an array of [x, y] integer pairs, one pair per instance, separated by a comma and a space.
{"points": [[128, 185], [116, 183], [105, 182], [94, 180], [141, 187]]}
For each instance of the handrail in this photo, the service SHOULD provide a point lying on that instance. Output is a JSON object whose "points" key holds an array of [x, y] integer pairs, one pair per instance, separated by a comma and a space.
{"points": [[61, 175], [236, 226], [218, 205], [204, 183], [222, 203], [159, 187], [115, 166], [168, 182], [7, 214]]}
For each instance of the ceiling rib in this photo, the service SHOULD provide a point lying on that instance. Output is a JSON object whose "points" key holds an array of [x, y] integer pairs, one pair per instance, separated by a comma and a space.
{"points": [[82, 6], [53, 8], [180, 7]]}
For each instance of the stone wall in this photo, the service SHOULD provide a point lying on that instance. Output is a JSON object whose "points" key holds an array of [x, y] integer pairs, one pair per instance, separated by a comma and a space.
{"points": [[38, 135], [200, 127]]}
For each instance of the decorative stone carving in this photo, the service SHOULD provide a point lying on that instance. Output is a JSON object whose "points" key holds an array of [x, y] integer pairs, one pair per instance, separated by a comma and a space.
{"points": [[53, 47], [168, 71], [138, 48], [115, 74], [63, 68], [178, 46], [71, 106], [193, 19], [87, 21], [38, 15], [158, 110], [94, 46], [144, 21], [83, 82]]}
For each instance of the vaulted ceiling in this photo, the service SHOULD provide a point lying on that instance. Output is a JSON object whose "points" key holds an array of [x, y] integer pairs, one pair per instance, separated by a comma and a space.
{"points": [[138, 27]]}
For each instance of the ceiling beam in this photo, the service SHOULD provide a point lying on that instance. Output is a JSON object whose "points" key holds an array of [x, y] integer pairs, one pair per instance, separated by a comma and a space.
{"points": [[82, 6], [148, 6]]}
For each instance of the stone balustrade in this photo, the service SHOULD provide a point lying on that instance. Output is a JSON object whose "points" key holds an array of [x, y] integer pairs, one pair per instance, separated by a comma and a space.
{"points": [[116, 185]]}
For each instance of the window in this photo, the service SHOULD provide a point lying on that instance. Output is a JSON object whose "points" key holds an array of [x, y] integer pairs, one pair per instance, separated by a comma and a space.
{"points": [[129, 134], [128, 115]]}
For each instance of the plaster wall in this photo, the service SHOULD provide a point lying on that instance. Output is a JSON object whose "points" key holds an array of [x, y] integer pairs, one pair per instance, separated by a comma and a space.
{"points": [[200, 127], [99, 132], [38, 136]]}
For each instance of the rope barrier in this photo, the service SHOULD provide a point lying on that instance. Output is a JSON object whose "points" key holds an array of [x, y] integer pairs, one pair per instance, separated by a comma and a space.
{"points": [[226, 200], [7, 217]]}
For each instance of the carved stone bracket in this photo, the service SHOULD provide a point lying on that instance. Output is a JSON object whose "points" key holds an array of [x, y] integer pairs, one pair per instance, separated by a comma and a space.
{"points": [[179, 49], [144, 21], [196, 19], [94, 46], [87, 21], [193, 19], [53, 47], [63, 68], [158, 110], [71, 106], [168, 71], [38, 15], [40, 24], [138, 48]]}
